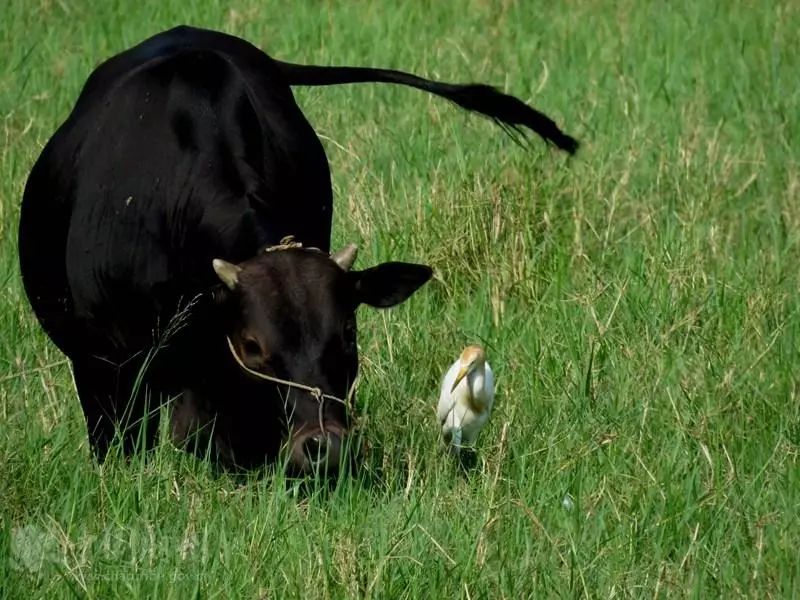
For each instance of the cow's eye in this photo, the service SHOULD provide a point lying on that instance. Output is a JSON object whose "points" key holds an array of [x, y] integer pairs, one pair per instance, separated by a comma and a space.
{"points": [[251, 347]]}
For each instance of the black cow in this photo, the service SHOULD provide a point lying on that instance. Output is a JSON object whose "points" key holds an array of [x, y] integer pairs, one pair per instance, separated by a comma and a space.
{"points": [[183, 160]]}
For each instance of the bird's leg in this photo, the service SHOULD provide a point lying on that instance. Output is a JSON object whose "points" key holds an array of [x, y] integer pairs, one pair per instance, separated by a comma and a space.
{"points": [[456, 442]]}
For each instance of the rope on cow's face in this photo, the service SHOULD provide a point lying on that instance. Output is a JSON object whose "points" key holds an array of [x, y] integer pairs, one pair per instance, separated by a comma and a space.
{"points": [[314, 391]]}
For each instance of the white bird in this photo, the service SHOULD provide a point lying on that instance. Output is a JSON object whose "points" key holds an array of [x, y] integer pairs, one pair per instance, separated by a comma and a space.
{"points": [[466, 399]]}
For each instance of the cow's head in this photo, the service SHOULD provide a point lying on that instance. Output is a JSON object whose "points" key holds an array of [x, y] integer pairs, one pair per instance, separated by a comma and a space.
{"points": [[291, 314]]}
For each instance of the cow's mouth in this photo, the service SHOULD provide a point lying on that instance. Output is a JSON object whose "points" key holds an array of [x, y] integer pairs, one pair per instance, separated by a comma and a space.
{"points": [[317, 449]]}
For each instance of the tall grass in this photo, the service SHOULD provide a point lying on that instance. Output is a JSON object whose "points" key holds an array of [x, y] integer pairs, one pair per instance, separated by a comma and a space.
{"points": [[639, 304]]}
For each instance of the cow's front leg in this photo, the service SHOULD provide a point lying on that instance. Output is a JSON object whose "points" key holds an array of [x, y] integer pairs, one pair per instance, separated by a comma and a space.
{"points": [[114, 405]]}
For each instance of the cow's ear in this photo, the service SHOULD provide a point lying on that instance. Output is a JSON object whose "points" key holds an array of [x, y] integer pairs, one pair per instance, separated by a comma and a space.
{"points": [[389, 283]]}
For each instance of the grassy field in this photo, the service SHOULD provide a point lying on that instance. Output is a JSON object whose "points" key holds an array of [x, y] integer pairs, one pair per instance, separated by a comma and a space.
{"points": [[639, 303]]}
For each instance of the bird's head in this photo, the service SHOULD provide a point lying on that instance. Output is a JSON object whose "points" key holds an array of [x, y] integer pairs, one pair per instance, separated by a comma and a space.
{"points": [[473, 357]]}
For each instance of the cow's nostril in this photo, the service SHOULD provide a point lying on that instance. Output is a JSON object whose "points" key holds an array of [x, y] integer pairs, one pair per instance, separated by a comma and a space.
{"points": [[315, 447], [317, 452]]}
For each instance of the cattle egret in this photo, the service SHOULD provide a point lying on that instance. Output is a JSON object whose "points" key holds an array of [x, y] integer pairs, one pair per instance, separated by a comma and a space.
{"points": [[466, 399]]}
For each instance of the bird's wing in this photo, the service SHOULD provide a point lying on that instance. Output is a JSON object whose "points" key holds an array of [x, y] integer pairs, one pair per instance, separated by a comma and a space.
{"points": [[446, 399], [446, 405]]}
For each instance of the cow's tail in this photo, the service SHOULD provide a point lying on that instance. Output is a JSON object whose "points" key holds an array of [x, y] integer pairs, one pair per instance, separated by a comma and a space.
{"points": [[511, 113]]}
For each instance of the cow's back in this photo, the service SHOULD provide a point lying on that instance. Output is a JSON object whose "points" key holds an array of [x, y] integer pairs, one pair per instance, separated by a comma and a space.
{"points": [[185, 148]]}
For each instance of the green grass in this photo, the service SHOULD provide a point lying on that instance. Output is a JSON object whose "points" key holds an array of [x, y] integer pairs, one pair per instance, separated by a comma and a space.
{"points": [[639, 303]]}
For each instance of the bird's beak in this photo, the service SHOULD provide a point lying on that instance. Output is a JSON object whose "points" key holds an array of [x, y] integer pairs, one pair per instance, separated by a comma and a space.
{"points": [[461, 374]]}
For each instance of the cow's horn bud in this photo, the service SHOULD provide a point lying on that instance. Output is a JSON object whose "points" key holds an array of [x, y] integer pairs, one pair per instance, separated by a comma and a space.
{"points": [[227, 272], [345, 257]]}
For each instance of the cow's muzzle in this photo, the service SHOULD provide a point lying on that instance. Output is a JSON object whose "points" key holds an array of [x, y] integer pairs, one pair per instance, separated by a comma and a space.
{"points": [[317, 451]]}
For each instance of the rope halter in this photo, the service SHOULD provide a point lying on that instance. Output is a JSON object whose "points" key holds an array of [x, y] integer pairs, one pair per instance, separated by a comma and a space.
{"points": [[288, 243], [314, 391], [344, 259]]}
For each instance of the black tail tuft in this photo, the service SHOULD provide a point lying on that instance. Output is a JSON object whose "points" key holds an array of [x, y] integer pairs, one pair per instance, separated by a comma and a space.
{"points": [[511, 112]]}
